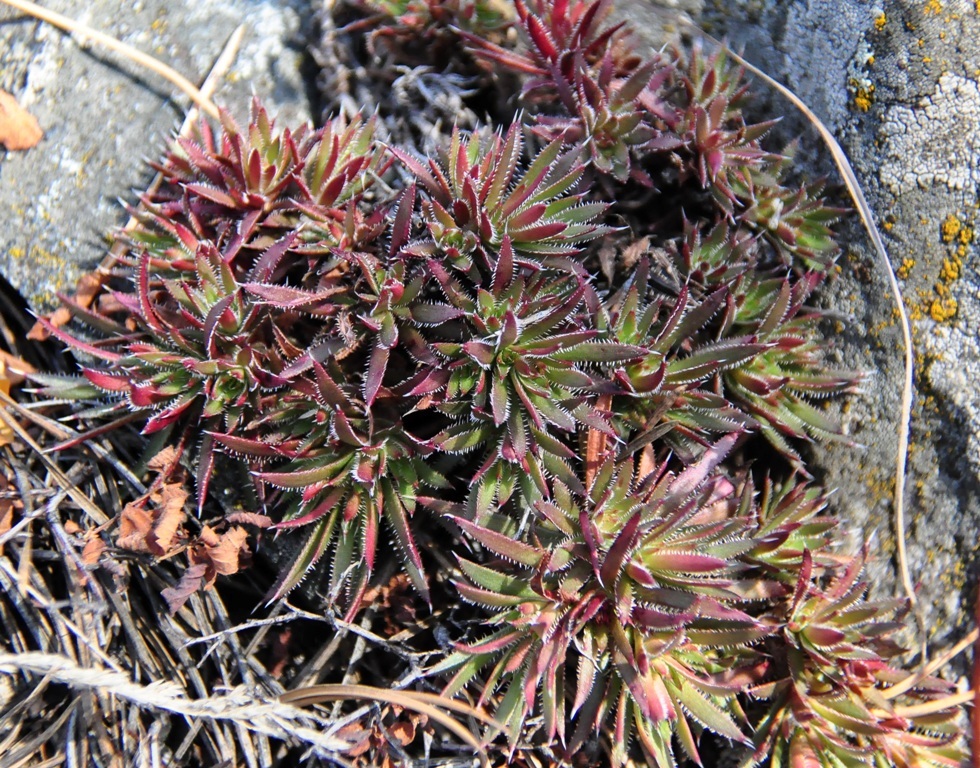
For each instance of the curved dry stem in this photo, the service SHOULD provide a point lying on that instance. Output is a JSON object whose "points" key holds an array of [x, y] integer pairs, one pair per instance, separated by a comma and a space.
{"points": [[428, 704], [131, 53], [936, 705], [867, 218], [936, 664]]}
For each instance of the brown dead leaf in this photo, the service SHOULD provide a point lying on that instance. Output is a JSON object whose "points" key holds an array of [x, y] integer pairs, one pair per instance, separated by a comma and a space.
{"points": [[18, 128], [17, 368], [135, 525], [93, 550], [163, 459], [87, 288], [226, 555], [190, 581], [169, 515], [249, 518], [6, 517]]}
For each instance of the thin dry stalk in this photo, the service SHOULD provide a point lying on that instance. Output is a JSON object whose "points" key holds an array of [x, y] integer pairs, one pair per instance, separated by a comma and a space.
{"points": [[133, 54], [239, 706], [867, 218]]}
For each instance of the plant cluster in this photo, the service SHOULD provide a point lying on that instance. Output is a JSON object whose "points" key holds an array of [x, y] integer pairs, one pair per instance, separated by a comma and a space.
{"points": [[605, 420]]}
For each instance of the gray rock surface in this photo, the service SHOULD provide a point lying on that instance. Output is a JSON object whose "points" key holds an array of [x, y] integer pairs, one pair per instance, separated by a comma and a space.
{"points": [[102, 115], [897, 81]]}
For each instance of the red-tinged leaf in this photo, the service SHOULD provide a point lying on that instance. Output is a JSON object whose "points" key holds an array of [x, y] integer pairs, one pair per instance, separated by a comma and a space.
{"points": [[307, 477], [505, 546], [692, 478], [147, 312], [345, 431], [682, 562], [802, 582], [422, 172], [285, 297], [106, 381], [435, 313], [397, 516], [269, 260], [614, 563], [375, 373], [481, 352], [541, 38], [211, 322], [327, 505], [401, 227], [244, 446], [205, 469], [494, 643], [213, 194], [506, 164], [81, 346], [311, 551], [503, 268], [600, 352], [486, 598], [824, 637]]}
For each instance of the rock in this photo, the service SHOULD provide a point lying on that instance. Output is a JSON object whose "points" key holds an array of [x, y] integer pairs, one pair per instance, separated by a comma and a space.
{"points": [[103, 115], [897, 82]]}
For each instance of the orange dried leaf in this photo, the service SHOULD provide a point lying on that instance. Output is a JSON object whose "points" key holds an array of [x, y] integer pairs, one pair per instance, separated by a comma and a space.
{"points": [[135, 524], [225, 556], [88, 287], [163, 459], [93, 550], [169, 516], [6, 517], [18, 127]]}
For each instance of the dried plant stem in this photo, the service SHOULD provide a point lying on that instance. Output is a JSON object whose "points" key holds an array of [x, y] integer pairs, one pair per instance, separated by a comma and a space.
{"points": [[67, 485], [239, 706], [221, 66], [428, 704], [867, 218], [936, 705], [912, 680], [131, 53]]}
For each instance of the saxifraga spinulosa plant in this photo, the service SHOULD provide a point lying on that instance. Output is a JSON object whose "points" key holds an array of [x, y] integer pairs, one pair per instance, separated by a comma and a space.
{"points": [[601, 407]]}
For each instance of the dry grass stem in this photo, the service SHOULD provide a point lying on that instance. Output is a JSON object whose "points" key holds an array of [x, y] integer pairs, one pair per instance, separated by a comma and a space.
{"points": [[131, 53], [867, 218]]}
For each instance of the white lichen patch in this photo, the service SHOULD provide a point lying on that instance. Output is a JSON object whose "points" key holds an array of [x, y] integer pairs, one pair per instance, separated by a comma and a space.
{"points": [[935, 142]]}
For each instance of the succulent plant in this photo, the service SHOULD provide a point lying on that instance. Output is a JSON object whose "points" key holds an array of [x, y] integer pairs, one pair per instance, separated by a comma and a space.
{"points": [[475, 196], [831, 702], [635, 585], [490, 348]]}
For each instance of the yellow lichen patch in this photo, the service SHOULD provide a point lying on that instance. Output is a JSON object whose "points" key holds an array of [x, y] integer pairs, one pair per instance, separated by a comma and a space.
{"points": [[943, 309], [950, 270], [905, 269], [881, 20], [934, 6], [951, 228], [864, 98], [966, 235]]}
